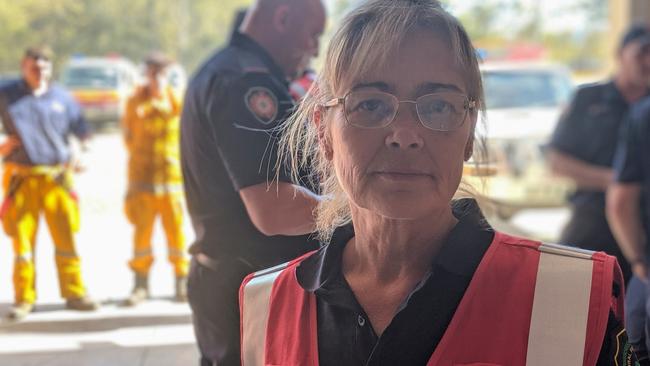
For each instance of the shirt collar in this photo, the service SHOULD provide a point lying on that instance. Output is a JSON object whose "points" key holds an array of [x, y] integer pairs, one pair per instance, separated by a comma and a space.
{"points": [[244, 41], [460, 254], [612, 93], [24, 88]]}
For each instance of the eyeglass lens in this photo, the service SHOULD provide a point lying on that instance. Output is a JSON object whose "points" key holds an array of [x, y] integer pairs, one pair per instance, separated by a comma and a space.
{"points": [[444, 111]]}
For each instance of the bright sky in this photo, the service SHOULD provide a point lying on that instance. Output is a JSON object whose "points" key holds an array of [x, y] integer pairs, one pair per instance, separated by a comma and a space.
{"points": [[554, 14]]}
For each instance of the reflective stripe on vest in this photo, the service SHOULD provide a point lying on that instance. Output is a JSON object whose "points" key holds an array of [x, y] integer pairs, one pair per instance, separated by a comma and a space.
{"points": [[558, 337], [527, 304], [256, 294]]}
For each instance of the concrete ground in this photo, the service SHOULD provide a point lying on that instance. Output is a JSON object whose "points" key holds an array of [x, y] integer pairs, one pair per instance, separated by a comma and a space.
{"points": [[156, 333]]}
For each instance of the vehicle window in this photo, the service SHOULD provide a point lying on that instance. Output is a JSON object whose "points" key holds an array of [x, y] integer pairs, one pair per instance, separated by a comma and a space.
{"points": [[90, 77], [519, 89]]}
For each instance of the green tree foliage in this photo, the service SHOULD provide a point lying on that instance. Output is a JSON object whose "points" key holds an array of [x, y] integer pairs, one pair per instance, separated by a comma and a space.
{"points": [[189, 30]]}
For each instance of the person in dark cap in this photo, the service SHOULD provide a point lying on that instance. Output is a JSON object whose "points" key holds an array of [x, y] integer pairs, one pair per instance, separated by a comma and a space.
{"points": [[628, 213], [583, 144], [39, 118], [151, 134]]}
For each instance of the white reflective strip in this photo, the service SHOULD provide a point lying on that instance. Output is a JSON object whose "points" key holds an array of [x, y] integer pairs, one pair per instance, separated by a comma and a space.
{"points": [[65, 253], [25, 257], [174, 252], [257, 295], [142, 253], [558, 325]]}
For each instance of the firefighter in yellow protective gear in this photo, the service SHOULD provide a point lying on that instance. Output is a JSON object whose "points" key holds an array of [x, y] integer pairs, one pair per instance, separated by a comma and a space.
{"points": [[38, 119], [151, 133]]}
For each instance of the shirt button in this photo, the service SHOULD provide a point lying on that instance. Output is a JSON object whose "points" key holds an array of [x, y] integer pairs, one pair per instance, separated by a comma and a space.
{"points": [[361, 320]]}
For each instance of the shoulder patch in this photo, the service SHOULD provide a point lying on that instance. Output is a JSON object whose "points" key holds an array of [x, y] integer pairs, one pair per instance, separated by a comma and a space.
{"points": [[262, 103], [624, 354]]}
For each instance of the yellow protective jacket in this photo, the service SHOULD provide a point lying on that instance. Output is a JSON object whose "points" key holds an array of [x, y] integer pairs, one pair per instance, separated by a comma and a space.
{"points": [[151, 134]]}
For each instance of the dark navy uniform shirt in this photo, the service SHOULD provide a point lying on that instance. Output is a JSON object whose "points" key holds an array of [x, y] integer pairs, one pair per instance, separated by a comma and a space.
{"points": [[345, 336], [43, 123], [632, 161], [233, 108], [588, 130]]}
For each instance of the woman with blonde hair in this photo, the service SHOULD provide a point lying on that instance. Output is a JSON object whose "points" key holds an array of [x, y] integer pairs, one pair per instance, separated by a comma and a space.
{"points": [[409, 274]]}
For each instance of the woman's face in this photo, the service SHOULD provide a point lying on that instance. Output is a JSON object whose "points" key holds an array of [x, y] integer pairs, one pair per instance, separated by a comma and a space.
{"points": [[403, 170]]}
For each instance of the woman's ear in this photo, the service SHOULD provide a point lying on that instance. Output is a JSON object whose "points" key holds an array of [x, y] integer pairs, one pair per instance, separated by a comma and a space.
{"points": [[469, 145], [323, 137], [469, 148]]}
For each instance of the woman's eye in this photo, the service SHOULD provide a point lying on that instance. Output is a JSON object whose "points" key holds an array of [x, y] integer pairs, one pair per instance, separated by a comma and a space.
{"points": [[370, 105], [439, 107]]}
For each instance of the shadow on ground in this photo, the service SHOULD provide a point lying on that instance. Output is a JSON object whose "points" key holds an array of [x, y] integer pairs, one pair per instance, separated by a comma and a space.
{"points": [[105, 323], [107, 354], [93, 325]]}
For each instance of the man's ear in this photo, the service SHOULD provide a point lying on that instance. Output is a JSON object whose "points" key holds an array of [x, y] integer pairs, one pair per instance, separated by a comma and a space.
{"points": [[324, 142], [281, 18]]}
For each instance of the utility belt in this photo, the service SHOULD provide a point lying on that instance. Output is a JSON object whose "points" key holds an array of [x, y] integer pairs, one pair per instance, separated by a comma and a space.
{"points": [[31, 170], [15, 175], [214, 264]]}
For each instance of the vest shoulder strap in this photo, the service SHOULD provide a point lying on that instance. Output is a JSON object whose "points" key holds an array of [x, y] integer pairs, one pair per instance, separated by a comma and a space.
{"points": [[255, 305], [561, 304], [254, 299]]}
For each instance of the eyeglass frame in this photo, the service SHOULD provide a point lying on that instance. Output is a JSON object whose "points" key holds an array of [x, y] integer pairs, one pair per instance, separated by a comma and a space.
{"points": [[468, 106]]}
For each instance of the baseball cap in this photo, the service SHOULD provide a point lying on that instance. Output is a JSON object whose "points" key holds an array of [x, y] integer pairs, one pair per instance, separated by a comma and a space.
{"points": [[639, 32]]}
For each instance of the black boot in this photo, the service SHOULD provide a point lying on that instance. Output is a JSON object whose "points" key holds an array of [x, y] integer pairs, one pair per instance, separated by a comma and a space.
{"points": [[140, 291], [181, 289]]}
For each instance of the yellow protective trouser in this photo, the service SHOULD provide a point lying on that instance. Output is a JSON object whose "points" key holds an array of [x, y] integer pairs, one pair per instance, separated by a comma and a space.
{"points": [[35, 192], [141, 209]]}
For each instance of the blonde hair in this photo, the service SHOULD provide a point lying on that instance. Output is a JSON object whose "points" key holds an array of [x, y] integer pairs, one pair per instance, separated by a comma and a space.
{"points": [[364, 41]]}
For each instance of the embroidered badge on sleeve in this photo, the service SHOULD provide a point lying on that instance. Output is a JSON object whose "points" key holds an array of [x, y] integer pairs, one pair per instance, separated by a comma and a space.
{"points": [[262, 103], [624, 354]]}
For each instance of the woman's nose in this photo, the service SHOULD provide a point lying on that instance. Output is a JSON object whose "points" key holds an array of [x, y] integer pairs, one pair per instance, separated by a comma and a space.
{"points": [[405, 131]]}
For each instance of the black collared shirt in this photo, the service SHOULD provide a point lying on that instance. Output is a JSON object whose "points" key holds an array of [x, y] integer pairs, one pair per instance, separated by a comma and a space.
{"points": [[588, 130], [345, 336], [232, 107]]}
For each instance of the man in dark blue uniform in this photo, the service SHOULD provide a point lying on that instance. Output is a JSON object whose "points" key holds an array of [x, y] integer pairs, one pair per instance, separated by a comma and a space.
{"points": [[584, 142], [39, 118], [628, 209], [233, 108]]}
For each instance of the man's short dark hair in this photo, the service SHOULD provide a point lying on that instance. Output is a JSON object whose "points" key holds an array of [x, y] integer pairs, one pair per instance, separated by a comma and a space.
{"points": [[158, 60], [40, 52]]}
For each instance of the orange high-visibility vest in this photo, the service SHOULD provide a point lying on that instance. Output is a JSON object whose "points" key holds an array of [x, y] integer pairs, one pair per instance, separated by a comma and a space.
{"points": [[528, 303]]}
